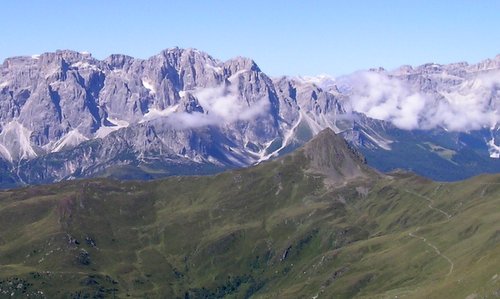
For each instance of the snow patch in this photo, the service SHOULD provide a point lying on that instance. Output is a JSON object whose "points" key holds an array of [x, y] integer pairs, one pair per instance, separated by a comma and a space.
{"points": [[84, 65], [35, 56], [71, 139], [149, 86], [118, 122], [103, 131], [493, 149], [4, 84]]}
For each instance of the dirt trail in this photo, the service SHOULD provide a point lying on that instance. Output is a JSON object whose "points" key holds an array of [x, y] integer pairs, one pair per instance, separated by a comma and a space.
{"points": [[452, 265], [448, 218], [430, 203]]}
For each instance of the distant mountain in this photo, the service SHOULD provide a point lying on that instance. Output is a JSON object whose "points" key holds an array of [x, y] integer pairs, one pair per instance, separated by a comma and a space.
{"points": [[67, 115], [317, 223]]}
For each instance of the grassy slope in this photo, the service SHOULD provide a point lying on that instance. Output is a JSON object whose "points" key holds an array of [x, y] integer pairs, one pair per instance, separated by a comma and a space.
{"points": [[272, 231]]}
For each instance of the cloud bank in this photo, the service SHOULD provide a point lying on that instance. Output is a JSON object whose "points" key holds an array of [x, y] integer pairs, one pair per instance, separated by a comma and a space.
{"points": [[221, 105], [452, 103], [469, 105]]}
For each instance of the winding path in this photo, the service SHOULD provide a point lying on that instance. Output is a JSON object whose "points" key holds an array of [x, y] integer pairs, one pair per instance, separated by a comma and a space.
{"points": [[452, 265], [448, 218], [430, 203]]}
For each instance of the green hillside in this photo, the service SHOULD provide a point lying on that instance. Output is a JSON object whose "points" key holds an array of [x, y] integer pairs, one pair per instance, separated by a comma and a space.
{"points": [[317, 223]]}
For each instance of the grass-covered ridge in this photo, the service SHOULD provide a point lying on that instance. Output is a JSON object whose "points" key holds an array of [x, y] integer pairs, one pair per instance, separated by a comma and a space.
{"points": [[276, 230]]}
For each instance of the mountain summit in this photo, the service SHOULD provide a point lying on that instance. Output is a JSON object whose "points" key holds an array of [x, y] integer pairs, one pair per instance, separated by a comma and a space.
{"points": [[330, 154]]}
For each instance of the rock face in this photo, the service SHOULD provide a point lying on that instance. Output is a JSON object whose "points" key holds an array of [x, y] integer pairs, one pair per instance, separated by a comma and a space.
{"points": [[66, 114], [329, 154]]}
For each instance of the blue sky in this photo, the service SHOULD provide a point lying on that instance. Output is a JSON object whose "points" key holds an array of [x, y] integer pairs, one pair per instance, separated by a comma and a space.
{"points": [[283, 37]]}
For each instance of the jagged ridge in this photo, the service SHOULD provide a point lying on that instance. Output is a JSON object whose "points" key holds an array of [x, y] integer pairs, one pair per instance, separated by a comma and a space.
{"points": [[68, 115]]}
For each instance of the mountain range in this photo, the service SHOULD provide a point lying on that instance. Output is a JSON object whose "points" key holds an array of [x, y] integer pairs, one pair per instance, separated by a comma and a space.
{"points": [[316, 223], [67, 115]]}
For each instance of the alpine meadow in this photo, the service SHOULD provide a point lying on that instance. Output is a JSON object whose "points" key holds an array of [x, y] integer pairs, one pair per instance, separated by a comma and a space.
{"points": [[250, 149]]}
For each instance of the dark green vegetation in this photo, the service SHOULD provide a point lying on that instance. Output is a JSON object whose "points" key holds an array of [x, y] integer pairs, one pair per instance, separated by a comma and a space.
{"points": [[314, 224]]}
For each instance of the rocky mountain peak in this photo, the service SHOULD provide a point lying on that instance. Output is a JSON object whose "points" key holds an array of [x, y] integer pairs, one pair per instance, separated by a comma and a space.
{"points": [[487, 64], [240, 64], [181, 57], [329, 154], [118, 60], [66, 114]]}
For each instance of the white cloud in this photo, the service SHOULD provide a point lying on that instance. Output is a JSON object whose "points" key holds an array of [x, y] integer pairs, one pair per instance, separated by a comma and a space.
{"points": [[470, 105], [222, 105]]}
